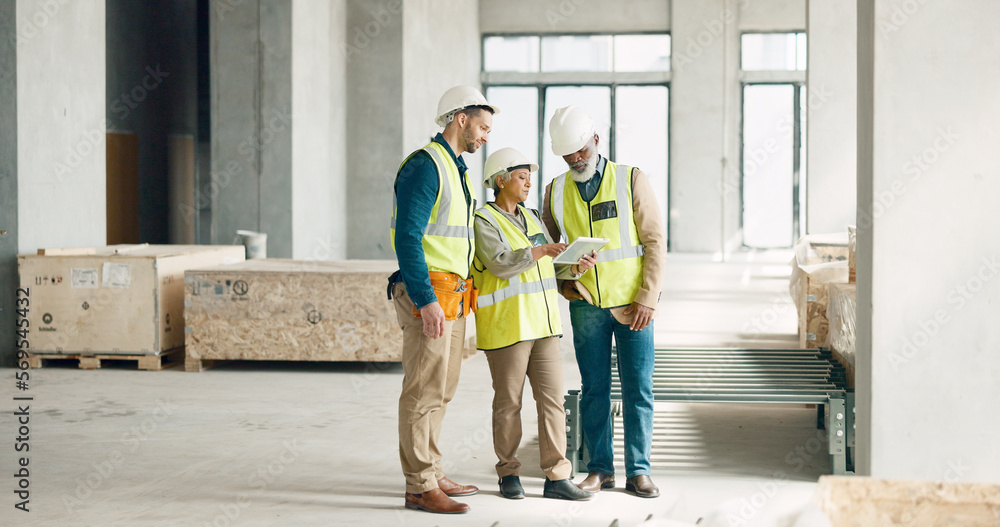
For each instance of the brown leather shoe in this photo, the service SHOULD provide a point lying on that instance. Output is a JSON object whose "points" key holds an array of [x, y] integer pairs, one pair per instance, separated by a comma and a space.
{"points": [[642, 486], [454, 489], [596, 481], [435, 500]]}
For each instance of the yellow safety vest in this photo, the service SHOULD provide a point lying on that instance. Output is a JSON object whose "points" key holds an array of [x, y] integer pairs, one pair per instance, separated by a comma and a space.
{"points": [[617, 277], [449, 241], [523, 307]]}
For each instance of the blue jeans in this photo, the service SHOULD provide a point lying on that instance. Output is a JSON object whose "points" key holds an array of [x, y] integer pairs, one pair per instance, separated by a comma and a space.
{"points": [[592, 331]]}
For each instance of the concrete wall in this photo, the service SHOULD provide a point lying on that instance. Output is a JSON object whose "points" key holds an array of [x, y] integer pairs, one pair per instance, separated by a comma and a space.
{"points": [[928, 259], [61, 124], [8, 176], [573, 16], [831, 163], [773, 15]]}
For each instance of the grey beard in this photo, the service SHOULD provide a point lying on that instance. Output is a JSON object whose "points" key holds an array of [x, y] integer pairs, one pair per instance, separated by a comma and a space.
{"points": [[588, 171]]}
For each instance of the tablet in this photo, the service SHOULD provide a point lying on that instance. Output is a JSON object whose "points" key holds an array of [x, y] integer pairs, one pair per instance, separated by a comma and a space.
{"points": [[580, 246]]}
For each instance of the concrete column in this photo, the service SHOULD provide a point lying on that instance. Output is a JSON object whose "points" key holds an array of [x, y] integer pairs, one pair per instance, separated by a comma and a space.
{"points": [[698, 109], [397, 73], [928, 254], [831, 79], [252, 122], [318, 106], [373, 47], [61, 124], [8, 177]]}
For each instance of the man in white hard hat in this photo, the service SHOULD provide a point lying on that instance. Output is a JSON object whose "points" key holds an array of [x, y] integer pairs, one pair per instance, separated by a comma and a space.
{"points": [[432, 234], [600, 198]]}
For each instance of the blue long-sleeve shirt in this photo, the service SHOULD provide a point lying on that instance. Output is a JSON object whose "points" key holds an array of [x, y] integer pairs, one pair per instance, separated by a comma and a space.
{"points": [[416, 191]]}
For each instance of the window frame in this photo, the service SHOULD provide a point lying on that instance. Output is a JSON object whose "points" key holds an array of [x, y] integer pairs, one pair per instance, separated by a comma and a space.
{"points": [[611, 79]]}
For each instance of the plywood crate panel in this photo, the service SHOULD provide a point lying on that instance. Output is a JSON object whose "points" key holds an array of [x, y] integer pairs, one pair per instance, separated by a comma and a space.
{"points": [[842, 312], [277, 309], [120, 299], [820, 259], [857, 501]]}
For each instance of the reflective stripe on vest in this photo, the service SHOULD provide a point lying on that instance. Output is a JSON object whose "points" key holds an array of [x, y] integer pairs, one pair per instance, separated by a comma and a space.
{"points": [[523, 307], [618, 275], [448, 239]]}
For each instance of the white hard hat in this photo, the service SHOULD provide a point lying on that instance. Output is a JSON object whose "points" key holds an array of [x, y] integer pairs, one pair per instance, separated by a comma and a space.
{"points": [[458, 98], [570, 129], [504, 160]]}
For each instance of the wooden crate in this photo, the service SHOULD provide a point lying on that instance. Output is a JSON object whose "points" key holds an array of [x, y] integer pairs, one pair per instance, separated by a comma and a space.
{"points": [[124, 299], [856, 501], [842, 312], [820, 259], [277, 309]]}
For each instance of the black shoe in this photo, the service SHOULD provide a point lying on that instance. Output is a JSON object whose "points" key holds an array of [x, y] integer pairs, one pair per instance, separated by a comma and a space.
{"points": [[564, 489], [510, 487]]}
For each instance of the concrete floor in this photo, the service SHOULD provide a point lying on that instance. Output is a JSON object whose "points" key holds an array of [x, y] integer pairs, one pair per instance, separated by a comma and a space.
{"points": [[315, 444]]}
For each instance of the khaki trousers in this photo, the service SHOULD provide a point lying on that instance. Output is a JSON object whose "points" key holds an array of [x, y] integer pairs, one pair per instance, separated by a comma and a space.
{"points": [[540, 361], [430, 378]]}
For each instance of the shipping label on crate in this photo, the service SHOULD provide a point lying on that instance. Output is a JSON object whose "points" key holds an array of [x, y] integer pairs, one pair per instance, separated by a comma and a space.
{"points": [[83, 278], [235, 289], [117, 275]]}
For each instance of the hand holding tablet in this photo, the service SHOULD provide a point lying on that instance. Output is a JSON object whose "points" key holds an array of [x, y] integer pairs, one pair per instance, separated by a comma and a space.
{"points": [[581, 246]]}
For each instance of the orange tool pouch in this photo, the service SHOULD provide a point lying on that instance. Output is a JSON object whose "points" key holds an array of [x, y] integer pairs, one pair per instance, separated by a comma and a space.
{"points": [[456, 295]]}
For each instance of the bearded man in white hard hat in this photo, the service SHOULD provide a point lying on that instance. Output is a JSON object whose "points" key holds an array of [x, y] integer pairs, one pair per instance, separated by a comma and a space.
{"points": [[603, 199], [432, 234]]}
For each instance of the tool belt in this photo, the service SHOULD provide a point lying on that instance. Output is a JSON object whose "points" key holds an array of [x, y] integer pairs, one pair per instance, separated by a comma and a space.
{"points": [[456, 295]]}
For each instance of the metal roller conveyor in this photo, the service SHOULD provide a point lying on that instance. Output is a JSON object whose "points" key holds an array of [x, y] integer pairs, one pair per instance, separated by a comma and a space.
{"points": [[726, 375]]}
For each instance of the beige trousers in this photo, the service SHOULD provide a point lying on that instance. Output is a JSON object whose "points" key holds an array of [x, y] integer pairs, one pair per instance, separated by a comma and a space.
{"points": [[539, 360], [430, 378]]}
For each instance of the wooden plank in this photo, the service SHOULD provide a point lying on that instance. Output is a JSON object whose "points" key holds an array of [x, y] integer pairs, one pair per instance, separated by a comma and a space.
{"points": [[159, 362], [67, 251]]}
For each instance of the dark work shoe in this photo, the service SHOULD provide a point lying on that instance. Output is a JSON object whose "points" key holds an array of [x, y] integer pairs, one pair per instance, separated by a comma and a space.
{"points": [[642, 486], [564, 489], [595, 481], [510, 487]]}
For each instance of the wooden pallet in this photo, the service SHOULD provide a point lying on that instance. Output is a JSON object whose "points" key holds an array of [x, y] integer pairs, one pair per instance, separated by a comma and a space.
{"points": [[88, 361]]}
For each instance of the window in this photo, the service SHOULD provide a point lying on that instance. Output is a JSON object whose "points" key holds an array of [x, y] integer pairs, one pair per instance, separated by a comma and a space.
{"points": [[773, 51], [773, 135], [621, 81]]}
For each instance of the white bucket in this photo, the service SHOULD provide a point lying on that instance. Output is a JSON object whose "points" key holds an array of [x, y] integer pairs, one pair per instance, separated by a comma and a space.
{"points": [[255, 242]]}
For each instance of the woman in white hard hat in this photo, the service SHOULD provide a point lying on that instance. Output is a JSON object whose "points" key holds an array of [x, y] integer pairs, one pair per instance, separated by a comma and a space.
{"points": [[517, 323]]}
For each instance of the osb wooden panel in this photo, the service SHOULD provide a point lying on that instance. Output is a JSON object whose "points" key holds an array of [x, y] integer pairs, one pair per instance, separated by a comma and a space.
{"points": [[841, 310], [277, 309], [854, 501]]}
